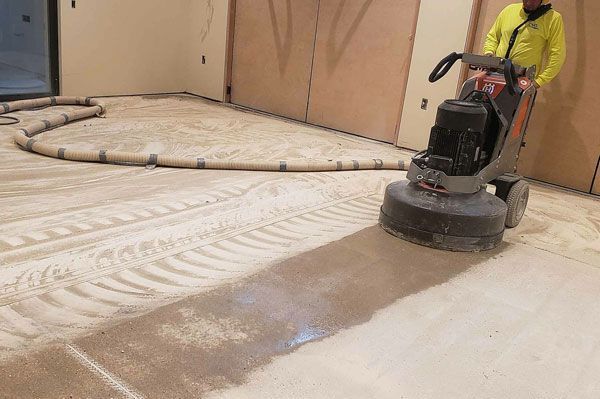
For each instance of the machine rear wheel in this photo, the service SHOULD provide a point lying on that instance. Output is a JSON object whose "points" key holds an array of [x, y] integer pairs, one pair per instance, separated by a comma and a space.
{"points": [[517, 199]]}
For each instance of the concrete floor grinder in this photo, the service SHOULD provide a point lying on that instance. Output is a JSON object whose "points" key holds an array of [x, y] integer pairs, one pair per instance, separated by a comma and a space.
{"points": [[476, 141]]}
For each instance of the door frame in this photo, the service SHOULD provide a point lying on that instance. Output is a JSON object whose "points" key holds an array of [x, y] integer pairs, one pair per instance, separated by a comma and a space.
{"points": [[53, 55], [409, 60], [470, 43], [229, 56]]}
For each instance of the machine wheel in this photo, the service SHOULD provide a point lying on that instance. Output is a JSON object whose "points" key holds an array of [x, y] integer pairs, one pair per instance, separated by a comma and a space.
{"points": [[516, 200]]}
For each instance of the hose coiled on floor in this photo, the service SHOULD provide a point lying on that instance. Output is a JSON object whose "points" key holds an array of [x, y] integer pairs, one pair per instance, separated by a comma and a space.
{"points": [[24, 137]]}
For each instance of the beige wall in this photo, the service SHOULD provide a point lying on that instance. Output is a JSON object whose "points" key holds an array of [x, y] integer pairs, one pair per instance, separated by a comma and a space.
{"points": [[441, 29], [114, 47], [207, 36]]}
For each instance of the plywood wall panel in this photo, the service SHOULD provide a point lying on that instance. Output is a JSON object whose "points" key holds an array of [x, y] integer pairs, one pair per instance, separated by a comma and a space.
{"points": [[272, 55], [362, 57], [563, 142]]}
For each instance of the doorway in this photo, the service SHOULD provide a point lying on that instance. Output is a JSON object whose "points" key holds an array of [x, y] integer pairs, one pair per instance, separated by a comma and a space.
{"points": [[28, 49]]}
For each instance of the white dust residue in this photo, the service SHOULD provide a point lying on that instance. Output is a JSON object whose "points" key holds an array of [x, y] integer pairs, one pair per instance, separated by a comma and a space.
{"points": [[86, 245]]}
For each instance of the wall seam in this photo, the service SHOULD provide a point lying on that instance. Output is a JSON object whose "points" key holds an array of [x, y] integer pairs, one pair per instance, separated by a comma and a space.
{"points": [[312, 64]]}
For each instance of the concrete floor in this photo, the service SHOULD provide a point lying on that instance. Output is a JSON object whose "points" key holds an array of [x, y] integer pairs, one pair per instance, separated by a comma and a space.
{"points": [[127, 282]]}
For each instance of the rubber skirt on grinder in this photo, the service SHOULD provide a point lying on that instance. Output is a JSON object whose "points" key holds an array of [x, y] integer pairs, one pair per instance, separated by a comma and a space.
{"points": [[442, 220]]}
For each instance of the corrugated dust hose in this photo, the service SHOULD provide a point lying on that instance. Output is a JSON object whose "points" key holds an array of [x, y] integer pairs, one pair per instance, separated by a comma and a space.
{"points": [[24, 137]]}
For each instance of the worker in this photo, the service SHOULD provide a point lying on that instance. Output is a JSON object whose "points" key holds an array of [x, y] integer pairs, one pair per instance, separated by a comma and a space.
{"points": [[541, 32]]}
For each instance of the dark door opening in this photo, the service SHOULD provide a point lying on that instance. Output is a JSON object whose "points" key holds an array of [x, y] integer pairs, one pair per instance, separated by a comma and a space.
{"points": [[28, 49]]}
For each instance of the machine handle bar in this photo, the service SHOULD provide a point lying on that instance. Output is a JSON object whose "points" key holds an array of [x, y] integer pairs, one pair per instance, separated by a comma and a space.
{"points": [[444, 66], [511, 71]]}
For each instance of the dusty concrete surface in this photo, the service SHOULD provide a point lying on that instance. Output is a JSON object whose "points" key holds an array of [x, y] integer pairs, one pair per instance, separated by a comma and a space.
{"points": [[124, 282], [215, 339], [51, 374], [88, 244]]}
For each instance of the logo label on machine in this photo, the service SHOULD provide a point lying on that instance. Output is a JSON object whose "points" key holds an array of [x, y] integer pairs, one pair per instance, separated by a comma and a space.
{"points": [[489, 88]]}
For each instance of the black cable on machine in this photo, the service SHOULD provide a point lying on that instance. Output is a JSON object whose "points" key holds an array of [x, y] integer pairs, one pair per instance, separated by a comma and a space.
{"points": [[12, 120]]}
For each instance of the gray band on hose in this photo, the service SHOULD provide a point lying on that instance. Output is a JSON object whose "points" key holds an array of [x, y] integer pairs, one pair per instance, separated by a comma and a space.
{"points": [[52, 101], [30, 144], [152, 160], [137, 158]]}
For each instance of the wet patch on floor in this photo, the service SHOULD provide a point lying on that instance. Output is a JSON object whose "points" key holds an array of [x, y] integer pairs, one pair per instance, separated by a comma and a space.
{"points": [[214, 340]]}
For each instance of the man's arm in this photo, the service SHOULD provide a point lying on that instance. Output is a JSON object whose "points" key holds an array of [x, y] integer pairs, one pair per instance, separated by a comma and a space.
{"points": [[493, 37], [557, 52]]}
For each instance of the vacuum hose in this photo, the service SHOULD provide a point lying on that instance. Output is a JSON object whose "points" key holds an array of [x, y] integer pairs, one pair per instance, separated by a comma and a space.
{"points": [[24, 137]]}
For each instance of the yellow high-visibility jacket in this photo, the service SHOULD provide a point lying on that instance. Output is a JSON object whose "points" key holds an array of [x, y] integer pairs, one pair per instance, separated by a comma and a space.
{"points": [[545, 33]]}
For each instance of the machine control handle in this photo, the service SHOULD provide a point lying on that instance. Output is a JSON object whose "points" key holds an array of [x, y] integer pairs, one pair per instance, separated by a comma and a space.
{"points": [[511, 78], [511, 71], [444, 66]]}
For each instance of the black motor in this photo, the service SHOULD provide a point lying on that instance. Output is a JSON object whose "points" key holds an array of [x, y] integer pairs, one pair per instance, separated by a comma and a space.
{"points": [[457, 141]]}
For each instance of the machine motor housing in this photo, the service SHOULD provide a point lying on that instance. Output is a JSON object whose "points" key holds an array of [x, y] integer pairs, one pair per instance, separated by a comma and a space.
{"points": [[457, 143]]}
